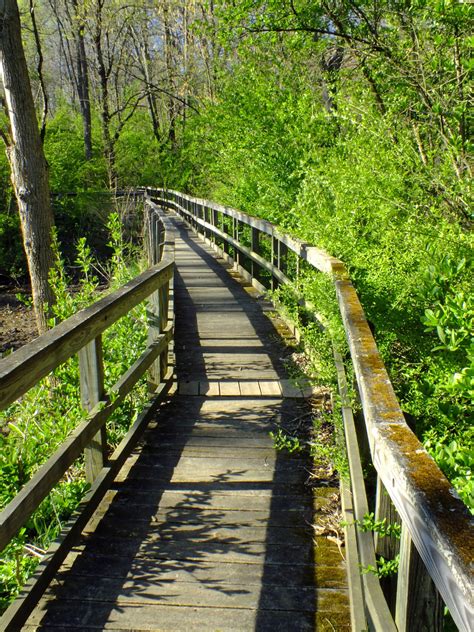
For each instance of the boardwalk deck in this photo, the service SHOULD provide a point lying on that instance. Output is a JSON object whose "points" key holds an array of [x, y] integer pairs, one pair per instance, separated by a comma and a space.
{"points": [[207, 527]]}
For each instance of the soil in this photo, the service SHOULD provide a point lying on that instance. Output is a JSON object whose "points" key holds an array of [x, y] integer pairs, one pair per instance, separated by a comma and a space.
{"points": [[17, 322]]}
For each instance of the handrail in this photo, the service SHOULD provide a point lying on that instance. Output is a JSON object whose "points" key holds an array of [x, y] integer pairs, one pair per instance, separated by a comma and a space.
{"points": [[433, 517], [81, 333]]}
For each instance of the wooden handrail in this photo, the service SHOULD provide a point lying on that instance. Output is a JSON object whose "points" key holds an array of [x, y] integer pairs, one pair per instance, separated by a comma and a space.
{"points": [[81, 333], [436, 520]]}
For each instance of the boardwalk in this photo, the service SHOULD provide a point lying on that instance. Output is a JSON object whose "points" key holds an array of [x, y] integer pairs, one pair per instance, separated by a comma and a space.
{"points": [[208, 527]]}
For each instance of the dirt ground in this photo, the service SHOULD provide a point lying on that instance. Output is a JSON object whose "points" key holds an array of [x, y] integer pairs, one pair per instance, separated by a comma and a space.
{"points": [[17, 323]]}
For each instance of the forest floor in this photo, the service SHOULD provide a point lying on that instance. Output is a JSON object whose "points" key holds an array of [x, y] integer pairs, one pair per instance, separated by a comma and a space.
{"points": [[17, 322]]}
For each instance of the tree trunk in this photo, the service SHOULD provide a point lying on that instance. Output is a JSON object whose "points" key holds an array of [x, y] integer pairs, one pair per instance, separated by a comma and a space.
{"points": [[29, 171], [109, 145], [170, 65], [83, 82]]}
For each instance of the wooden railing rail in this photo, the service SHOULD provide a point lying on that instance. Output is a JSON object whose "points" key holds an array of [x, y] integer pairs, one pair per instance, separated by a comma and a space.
{"points": [[81, 334], [437, 541]]}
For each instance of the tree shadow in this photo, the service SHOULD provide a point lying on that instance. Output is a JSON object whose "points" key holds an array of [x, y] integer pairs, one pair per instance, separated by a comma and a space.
{"points": [[209, 519]]}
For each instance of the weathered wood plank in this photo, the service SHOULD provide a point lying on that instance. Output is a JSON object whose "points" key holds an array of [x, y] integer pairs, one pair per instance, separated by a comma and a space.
{"points": [[132, 617], [80, 563], [418, 603], [91, 372]]}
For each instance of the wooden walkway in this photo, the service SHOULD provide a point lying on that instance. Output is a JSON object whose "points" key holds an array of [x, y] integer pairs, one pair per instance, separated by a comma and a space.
{"points": [[207, 526]]}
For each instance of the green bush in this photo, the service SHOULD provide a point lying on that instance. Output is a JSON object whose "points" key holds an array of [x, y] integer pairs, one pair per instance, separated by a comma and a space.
{"points": [[33, 427]]}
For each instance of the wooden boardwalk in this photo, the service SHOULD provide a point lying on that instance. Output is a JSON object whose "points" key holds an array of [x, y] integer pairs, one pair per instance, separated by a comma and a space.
{"points": [[207, 526]]}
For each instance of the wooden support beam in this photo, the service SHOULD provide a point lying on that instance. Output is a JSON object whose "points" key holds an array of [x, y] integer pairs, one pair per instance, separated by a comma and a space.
{"points": [[419, 605], [91, 372]]}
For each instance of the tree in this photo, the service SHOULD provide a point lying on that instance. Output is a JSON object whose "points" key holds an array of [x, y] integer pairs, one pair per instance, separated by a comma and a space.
{"points": [[29, 173]]}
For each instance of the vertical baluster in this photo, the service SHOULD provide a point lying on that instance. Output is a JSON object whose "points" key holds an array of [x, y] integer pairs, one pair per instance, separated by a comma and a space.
{"points": [[225, 230], [235, 235], [254, 267], [282, 257], [214, 220], [275, 260], [163, 321], [91, 376], [419, 605], [153, 306], [389, 545]]}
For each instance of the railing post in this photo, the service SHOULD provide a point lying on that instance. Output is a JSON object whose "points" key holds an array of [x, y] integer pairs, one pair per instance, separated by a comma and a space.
{"points": [[163, 321], [282, 257], [91, 379], [214, 220], [419, 605], [235, 235], [388, 546], [255, 245], [226, 232], [275, 260], [153, 233]]}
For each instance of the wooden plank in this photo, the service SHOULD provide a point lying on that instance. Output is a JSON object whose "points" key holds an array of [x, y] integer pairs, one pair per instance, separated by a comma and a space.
{"points": [[377, 610], [25, 367], [188, 387], [222, 501], [191, 515], [229, 389], [216, 478], [356, 592], [419, 605], [250, 389], [129, 617], [209, 389], [80, 563], [270, 387], [145, 593], [91, 373]]}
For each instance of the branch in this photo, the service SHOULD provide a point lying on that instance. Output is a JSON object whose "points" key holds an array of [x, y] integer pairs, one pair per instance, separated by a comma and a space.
{"points": [[155, 88], [5, 135], [318, 31], [39, 69]]}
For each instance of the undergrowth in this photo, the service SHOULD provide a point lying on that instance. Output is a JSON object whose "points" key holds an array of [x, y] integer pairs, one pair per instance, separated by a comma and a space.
{"points": [[33, 427]]}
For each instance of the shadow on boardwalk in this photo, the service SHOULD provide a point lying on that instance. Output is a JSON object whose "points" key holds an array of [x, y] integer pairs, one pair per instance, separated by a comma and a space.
{"points": [[207, 527]]}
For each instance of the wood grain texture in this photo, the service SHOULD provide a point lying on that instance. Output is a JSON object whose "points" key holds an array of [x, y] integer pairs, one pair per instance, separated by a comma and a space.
{"points": [[91, 378]]}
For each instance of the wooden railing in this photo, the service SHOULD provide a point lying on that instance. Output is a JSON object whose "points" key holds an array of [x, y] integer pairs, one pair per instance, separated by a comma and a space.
{"points": [[82, 334], [437, 542]]}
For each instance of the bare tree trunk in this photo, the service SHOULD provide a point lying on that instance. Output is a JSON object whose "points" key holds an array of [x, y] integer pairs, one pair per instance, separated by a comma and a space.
{"points": [[170, 63], [109, 146], [39, 70], [83, 82], [27, 161]]}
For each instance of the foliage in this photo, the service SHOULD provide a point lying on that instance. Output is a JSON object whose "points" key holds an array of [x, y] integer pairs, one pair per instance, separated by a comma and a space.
{"points": [[35, 426], [283, 441], [355, 140], [384, 568], [384, 529]]}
